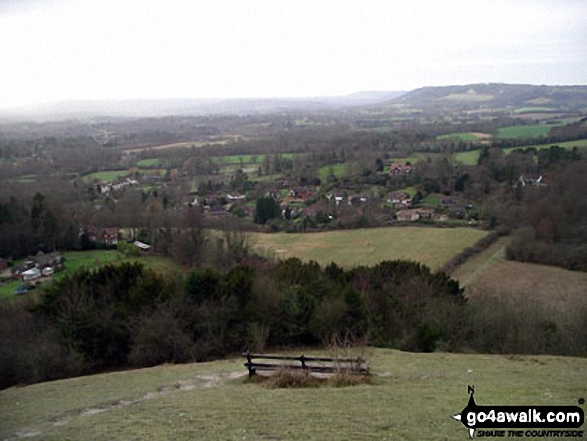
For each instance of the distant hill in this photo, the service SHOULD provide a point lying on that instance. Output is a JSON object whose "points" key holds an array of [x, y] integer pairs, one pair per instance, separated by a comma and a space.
{"points": [[169, 107], [497, 95]]}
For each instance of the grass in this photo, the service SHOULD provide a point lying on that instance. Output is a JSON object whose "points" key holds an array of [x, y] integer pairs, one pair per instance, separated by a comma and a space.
{"points": [[107, 175], [338, 170], [150, 162], [433, 200], [412, 398], [431, 246], [547, 284], [530, 131], [467, 136], [470, 157]]}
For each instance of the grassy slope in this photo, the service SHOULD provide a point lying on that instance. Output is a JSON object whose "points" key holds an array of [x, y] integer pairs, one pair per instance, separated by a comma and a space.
{"points": [[547, 284], [431, 246], [412, 398]]}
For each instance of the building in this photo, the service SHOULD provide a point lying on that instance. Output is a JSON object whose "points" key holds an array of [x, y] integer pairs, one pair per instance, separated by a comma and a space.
{"points": [[31, 274]]}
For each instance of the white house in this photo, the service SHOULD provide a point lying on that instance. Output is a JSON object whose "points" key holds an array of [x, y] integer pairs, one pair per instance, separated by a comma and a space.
{"points": [[32, 274]]}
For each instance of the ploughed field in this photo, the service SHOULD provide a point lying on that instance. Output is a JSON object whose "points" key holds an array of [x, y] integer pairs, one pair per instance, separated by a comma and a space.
{"points": [[430, 246], [412, 397]]}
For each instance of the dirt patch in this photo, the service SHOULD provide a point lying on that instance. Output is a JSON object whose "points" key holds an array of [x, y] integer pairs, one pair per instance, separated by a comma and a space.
{"points": [[206, 381]]}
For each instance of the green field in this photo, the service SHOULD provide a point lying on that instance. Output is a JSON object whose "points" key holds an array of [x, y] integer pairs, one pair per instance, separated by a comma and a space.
{"points": [[107, 175], [433, 200], [470, 157], [412, 398], [338, 170], [431, 246], [151, 162], [248, 159], [533, 109], [533, 131], [467, 136], [548, 285]]}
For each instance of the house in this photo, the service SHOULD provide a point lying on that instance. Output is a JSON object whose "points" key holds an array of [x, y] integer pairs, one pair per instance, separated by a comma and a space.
{"points": [[31, 274], [400, 198], [414, 214], [142, 246], [538, 182], [396, 168], [107, 235]]}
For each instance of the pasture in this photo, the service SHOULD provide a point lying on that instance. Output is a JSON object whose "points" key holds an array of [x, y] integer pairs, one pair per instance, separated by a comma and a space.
{"points": [[530, 131], [337, 170], [412, 397], [430, 246], [150, 162], [106, 175], [466, 136], [547, 285]]}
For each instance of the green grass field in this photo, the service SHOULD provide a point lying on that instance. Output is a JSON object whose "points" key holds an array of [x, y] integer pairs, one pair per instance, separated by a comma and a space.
{"points": [[431, 246], [151, 162], [533, 109], [433, 199], [412, 398], [338, 170], [549, 285], [467, 136], [532, 131], [107, 175], [468, 158]]}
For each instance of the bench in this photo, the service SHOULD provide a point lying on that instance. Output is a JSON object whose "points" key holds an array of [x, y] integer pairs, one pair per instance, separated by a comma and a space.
{"points": [[312, 365]]}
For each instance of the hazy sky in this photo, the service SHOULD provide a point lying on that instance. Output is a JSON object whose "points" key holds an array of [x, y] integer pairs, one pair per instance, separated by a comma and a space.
{"points": [[53, 50]]}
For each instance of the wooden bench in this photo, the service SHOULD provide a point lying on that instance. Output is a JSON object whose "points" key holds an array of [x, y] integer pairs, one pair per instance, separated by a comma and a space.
{"points": [[317, 365]]}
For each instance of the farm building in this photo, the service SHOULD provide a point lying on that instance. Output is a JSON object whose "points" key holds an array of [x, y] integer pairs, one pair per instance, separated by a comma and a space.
{"points": [[31, 274], [414, 214], [141, 245]]}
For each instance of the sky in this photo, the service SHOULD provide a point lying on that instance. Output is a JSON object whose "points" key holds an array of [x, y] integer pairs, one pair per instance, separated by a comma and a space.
{"points": [[59, 50]]}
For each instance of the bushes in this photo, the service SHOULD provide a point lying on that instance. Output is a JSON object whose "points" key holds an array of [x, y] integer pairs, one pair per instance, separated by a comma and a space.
{"points": [[125, 315]]}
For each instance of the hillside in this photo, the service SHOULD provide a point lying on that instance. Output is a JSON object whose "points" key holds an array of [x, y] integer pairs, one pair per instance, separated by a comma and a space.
{"points": [[497, 95], [412, 397]]}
